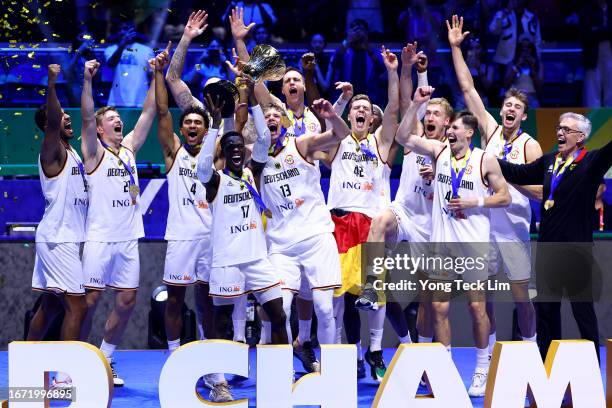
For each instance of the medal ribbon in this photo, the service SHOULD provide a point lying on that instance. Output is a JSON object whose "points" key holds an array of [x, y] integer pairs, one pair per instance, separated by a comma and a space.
{"points": [[127, 167], [80, 166], [557, 173], [243, 180], [507, 148], [364, 147], [280, 142], [298, 130], [458, 171]]}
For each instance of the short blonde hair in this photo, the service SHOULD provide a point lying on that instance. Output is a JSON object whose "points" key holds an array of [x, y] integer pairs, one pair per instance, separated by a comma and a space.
{"points": [[448, 109], [100, 113]]}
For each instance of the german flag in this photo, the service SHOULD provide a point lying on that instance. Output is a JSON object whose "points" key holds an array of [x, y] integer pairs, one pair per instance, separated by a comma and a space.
{"points": [[351, 231]]}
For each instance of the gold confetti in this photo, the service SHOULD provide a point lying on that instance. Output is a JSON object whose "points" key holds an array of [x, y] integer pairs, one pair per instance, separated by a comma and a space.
{"points": [[22, 46], [18, 113], [1, 96], [36, 66], [197, 67], [55, 35], [42, 92], [125, 74], [93, 6], [31, 55], [46, 23], [35, 137], [14, 56], [34, 45], [102, 41], [5, 194], [150, 211], [87, 37], [24, 9], [46, 4]]}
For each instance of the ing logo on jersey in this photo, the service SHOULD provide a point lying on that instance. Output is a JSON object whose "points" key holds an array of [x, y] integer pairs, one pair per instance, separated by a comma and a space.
{"points": [[202, 205], [289, 159], [299, 202], [367, 186], [514, 154], [253, 224]]}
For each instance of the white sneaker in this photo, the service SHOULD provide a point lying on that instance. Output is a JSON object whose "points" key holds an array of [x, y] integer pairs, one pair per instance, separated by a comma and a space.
{"points": [[479, 383], [117, 381], [221, 393]]}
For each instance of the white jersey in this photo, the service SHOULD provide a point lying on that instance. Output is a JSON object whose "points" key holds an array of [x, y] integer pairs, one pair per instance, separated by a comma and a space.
{"points": [[237, 228], [66, 202], [359, 182], [291, 189], [415, 194], [189, 217], [512, 222], [113, 215], [306, 125], [471, 225]]}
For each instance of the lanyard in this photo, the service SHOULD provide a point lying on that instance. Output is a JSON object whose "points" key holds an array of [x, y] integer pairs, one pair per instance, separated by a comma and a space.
{"points": [[365, 147], [133, 189], [244, 181], [458, 171], [80, 166], [559, 171], [507, 147], [297, 129], [281, 141]]}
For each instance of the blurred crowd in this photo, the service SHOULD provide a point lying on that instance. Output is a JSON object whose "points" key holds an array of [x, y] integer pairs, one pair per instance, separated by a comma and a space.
{"points": [[515, 30]]}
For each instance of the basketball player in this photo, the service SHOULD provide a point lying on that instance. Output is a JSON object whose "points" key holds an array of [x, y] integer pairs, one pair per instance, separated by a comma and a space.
{"points": [[409, 216], [114, 221], [239, 262], [460, 217], [58, 272], [509, 226], [301, 245], [359, 190], [189, 250]]}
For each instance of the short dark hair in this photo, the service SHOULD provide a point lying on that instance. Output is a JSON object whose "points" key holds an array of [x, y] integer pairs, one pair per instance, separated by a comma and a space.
{"points": [[227, 135], [360, 97], [468, 119], [100, 112], [290, 68], [40, 117], [198, 111], [518, 94]]}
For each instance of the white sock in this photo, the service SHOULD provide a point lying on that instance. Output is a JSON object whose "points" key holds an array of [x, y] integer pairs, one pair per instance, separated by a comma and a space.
{"points": [[239, 330], [376, 340], [492, 340], [482, 359], [304, 330], [201, 331], [534, 338], [107, 349], [425, 339], [359, 351], [174, 344], [406, 339], [266, 332]]}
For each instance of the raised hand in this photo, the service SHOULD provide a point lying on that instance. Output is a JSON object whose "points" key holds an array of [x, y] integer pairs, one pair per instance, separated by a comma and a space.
{"points": [[196, 24], [423, 94], [324, 108], [239, 30], [91, 68], [409, 54], [53, 72], [422, 62], [214, 108], [237, 66], [308, 61], [162, 60], [347, 90], [455, 31], [389, 58]]}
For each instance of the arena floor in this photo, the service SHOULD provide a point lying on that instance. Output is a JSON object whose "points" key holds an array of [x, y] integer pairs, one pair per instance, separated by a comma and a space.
{"points": [[140, 369]]}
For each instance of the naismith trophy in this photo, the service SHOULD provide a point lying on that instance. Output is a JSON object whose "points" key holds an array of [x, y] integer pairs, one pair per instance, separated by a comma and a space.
{"points": [[266, 64]]}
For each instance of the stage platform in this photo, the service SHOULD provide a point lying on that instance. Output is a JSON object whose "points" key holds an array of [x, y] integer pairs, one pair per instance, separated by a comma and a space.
{"points": [[140, 370]]}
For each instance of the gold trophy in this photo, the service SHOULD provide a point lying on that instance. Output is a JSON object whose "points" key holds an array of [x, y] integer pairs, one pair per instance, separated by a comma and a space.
{"points": [[266, 64], [227, 93]]}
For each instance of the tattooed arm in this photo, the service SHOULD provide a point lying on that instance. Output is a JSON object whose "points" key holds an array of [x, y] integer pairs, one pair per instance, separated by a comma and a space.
{"points": [[179, 89]]}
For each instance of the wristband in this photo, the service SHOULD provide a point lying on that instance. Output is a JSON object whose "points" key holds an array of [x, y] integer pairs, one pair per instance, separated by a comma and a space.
{"points": [[480, 201]]}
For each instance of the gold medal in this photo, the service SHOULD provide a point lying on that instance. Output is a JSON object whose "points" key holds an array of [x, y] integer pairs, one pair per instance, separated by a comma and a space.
{"points": [[134, 190], [548, 204]]}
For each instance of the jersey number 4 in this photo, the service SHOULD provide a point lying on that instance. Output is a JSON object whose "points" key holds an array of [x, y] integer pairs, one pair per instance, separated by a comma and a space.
{"points": [[193, 188]]}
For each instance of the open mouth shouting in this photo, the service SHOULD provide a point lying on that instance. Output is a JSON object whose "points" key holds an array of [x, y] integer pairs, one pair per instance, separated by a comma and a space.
{"points": [[452, 138], [118, 128], [360, 120], [561, 141], [236, 159], [68, 127], [430, 128], [509, 119], [293, 90]]}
